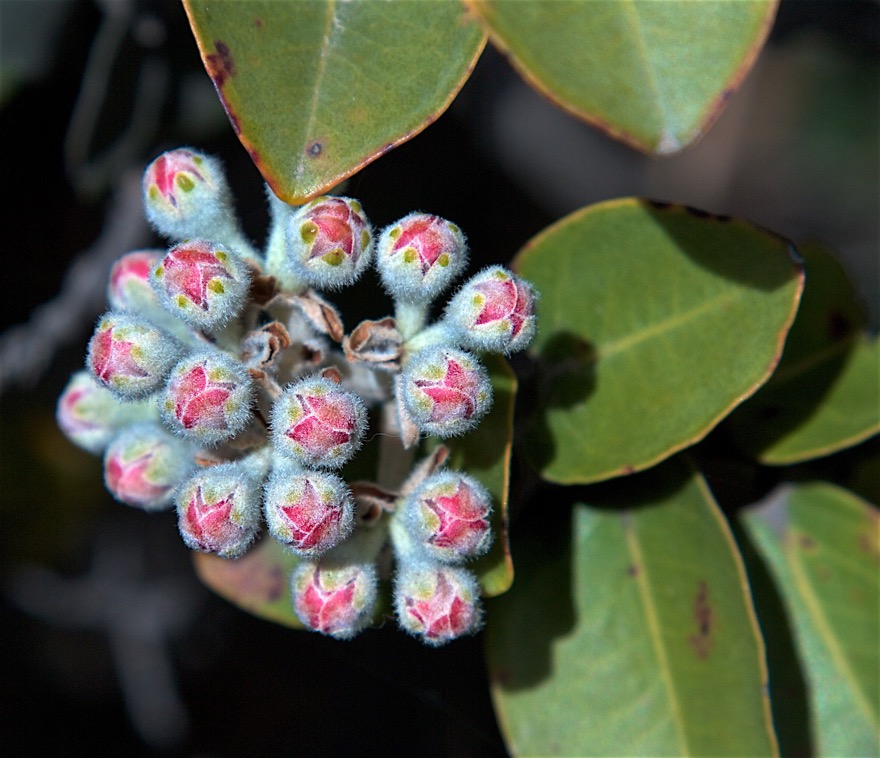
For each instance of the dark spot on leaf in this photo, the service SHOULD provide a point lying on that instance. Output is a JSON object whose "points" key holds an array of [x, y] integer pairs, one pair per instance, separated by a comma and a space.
{"points": [[868, 544], [838, 325], [220, 65], [701, 642], [276, 584], [807, 543], [258, 22], [315, 149], [255, 155], [727, 94], [632, 570]]}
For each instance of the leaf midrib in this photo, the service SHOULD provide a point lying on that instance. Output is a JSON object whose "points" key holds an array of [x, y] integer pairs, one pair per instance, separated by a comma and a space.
{"points": [[653, 624], [826, 633]]}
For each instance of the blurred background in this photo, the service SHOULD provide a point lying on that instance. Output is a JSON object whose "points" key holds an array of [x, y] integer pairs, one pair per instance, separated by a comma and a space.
{"points": [[110, 642]]}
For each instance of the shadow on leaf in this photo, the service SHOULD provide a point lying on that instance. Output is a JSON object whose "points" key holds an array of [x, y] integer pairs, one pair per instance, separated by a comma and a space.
{"points": [[565, 377]]}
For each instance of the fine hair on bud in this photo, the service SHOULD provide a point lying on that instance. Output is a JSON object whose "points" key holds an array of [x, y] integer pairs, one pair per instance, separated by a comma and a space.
{"points": [[207, 397], [318, 423], [329, 242], [447, 391], [218, 510], [494, 311], [308, 511], [202, 283], [419, 256], [130, 355], [448, 516], [90, 415], [437, 603], [144, 464], [334, 599], [186, 194]]}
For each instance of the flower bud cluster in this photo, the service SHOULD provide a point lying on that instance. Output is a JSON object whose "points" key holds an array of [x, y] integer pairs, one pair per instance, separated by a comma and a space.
{"points": [[221, 384]]}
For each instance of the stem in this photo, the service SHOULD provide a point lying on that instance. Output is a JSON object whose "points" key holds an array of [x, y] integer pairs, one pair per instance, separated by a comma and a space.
{"points": [[410, 317]]}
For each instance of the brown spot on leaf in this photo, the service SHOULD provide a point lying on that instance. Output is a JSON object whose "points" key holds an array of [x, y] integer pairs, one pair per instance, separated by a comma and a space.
{"points": [[258, 22], [315, 149], [702, 641], [275, 585], [220, 64], [629, 470], [632, 570], [807, 543]]}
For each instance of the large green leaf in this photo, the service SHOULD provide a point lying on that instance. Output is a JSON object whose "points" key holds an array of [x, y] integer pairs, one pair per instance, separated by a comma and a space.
{"points": [[485, 454], [825, 394], [654, 74], [822, 546], [654, 323], [316, 89], [632, 634]]}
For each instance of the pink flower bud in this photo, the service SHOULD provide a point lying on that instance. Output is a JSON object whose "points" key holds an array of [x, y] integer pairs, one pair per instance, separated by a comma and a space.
{"points": [[143, 465], [329, 242], [130, 355], [334, 600], [207, 398], [494, 311], [90, 415], [318, 423], [449, 516], [309, 511], [201, 283], [437, 603], [447, 391], [186, 195], [129, 287], [420, 255], [218, 510]]}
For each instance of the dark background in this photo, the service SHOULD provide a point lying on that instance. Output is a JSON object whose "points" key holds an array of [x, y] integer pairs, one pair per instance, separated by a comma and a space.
{"points": [[110, 642]]}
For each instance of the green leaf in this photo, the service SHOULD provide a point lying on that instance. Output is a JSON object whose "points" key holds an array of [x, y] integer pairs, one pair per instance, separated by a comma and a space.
{"points": [[632, 633], [821, 546], [258, 582], [316, 89], [485, 454], [654, 323], [653, 74], [825, 394]]}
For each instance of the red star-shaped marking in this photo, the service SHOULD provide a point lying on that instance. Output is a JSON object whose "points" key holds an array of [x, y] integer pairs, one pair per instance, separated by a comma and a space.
{"points": [[127, 479], [325, 426], [461, 516], [199, 401], [454, 396], [207, 523], [166, 168], [444, 614], [189, 270], [423, 235], [329, 610], [311, 519], [112, 357]]}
